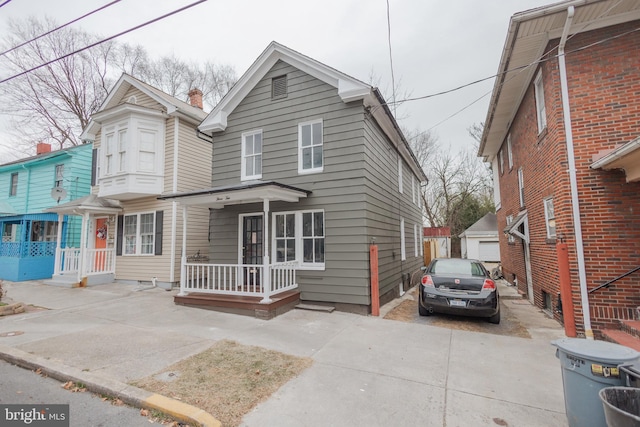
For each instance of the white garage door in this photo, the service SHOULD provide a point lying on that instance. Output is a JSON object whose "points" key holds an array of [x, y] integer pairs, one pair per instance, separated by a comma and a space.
{"points": [[489, 251]]}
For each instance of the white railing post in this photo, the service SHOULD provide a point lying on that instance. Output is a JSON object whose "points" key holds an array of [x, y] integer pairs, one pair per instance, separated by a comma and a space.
{"points": [[266, 270], [183, 258], [57, 267]]}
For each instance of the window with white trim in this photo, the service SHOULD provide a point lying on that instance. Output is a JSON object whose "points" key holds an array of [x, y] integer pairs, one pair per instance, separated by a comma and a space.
{"points": [[251, 155], [299, 236], [13, 188], [509, 152], [310, 144], [122, 150], [400, 174], [541, 110], [521, 186], [415, 240], [550, 218], [403, 250], [108, 153], [139, 234], [59, 178], [501, 161], [510, 237]]}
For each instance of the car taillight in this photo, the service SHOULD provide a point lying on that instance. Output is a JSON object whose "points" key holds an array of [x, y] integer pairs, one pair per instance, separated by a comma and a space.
{"points": [[489, 285], [427, 281]]}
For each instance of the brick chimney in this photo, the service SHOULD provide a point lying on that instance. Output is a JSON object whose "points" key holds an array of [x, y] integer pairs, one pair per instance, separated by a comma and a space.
{"points": [[43, 147], [195, 98]]}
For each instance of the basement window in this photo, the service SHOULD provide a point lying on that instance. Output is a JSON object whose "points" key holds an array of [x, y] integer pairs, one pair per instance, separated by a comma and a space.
{"points": [[279, 87]]}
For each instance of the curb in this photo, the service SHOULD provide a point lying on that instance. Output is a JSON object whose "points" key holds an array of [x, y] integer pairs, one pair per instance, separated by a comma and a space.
{"points": [[130, 395]]}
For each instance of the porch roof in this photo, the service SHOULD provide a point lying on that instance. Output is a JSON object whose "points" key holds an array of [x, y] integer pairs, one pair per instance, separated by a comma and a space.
{"points": [[90, 204], [246, 192], [626, 157], [517, 222]]}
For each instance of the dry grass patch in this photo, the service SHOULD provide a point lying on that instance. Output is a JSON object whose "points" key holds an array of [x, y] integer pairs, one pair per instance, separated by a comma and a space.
{"points": [[227, 380]]}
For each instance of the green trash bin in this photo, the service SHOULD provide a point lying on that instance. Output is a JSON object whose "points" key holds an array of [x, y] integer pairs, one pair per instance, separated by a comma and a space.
{"points": [[587, 367]]}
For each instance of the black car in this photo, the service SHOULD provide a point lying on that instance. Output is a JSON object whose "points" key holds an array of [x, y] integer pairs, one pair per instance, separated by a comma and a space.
{"points": [[459, 286]]}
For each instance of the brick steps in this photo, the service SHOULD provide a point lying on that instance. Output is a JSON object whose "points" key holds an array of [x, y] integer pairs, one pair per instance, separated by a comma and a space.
{"points": [[628, 334]]}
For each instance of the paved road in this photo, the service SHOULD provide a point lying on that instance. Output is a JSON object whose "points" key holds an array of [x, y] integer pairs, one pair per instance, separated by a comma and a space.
{"points": [[20, 386]]}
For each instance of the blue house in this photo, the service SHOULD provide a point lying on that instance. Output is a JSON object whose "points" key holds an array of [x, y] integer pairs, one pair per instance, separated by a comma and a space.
{"points": [[28, 187]]}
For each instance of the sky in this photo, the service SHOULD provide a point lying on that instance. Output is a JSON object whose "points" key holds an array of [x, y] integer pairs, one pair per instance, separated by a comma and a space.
{"points": [[435, 45]]}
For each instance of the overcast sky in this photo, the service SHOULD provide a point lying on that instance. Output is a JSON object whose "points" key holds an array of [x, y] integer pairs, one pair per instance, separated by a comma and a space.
{"points": [[436, 45]]}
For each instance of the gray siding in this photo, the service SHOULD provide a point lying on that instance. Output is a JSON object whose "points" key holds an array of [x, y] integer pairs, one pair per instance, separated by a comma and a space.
{"points": [[359, 164]]}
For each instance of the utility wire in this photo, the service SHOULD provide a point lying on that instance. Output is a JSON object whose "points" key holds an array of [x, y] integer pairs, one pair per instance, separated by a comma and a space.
{"points": [[393, 79], [57, 28], [7, 1], [102, 41]]}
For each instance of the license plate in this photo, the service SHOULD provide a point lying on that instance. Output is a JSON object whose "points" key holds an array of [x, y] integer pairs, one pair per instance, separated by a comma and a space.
{"points": [[457, 303]]}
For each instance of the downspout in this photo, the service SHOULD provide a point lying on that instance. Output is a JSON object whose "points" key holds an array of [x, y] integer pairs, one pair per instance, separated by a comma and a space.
{"points": [[584, 295]]}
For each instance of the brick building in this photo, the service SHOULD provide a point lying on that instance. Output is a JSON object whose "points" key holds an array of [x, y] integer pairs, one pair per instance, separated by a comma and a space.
{"points": [[567, 168]]}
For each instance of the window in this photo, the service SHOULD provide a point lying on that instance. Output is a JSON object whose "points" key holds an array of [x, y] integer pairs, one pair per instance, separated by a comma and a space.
{"points": [[13, 189], [285, 237], [139, 233], [501, 161], [310, 146], [147, 150], [59, 178], [279, 87], [108, 154], [509, 152], [510, 237], [400, 175], [521, 187], [299, 236], [122, 150], [403, 251], [10, 232], [550, 218], [541, 111], [251, 155], [415, 240]]}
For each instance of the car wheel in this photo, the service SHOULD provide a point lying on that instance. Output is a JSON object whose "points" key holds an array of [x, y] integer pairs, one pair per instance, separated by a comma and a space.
{"points": [[495, 319], [423, 311]]}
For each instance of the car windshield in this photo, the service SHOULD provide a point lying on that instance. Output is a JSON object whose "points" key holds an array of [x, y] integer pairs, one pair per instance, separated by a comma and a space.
{"points": [[456, 266]]}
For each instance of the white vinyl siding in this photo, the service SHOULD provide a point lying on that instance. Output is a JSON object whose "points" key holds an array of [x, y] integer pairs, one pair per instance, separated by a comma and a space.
{"points": [[310, 145], [251, 155], [550, 218], [541, 111]]}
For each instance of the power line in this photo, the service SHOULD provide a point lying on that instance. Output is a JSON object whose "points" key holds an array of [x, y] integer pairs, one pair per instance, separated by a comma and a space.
{"points": [[57, 28], [7, 1], [102, 41], [393, 79]]}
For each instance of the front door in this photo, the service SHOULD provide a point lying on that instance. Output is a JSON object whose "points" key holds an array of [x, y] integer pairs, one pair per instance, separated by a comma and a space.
{"points": [[252, 249], [100, 242]]}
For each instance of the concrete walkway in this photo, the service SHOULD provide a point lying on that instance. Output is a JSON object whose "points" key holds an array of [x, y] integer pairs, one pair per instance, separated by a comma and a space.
{"points": [[366, 371]]}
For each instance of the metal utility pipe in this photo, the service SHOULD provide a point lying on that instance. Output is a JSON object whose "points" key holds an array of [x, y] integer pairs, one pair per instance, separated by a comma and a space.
{"points": [[582, 275]]}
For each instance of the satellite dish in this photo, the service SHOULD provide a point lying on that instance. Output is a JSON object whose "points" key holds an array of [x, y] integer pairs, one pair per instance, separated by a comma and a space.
{"points": [[58, 193]]}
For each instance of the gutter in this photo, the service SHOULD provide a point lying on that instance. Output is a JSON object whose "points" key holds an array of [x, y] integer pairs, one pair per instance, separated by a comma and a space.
{"points": [[582, 275], [617, 154]]}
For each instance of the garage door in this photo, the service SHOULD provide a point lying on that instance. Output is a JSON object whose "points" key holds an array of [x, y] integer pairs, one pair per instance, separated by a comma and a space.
{"points": [[489, 251]]}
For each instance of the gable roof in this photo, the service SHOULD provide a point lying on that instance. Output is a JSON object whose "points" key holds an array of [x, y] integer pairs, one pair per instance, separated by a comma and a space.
{"points": [[487, 225], [172, 105], [528, 35], [349, 89]]}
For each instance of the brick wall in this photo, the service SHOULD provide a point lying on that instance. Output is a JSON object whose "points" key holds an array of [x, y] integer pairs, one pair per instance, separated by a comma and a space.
{"points": [[604, 92]]}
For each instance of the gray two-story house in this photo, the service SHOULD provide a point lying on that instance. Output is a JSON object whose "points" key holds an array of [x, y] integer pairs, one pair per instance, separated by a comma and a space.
{"points": [[310, 171]]}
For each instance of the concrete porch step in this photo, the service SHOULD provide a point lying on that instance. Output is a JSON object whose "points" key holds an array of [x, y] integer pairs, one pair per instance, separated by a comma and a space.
{"points": [[315, 307], [632, 327], [63, 282], [620, 337]]}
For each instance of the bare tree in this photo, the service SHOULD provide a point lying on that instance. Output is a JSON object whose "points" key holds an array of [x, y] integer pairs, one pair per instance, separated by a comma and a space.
{"points": [[54, 103]]}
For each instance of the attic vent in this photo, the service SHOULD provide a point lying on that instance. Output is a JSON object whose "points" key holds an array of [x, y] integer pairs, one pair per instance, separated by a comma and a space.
{"points": [[132, 100], [279, 87]]}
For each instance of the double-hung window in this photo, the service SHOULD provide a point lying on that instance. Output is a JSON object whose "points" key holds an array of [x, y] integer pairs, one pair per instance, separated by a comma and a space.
{"points": [[541, 111], [139, 234], [550, 218], [310, 143], [251, 167], [521, 187], [509, 152], [501, 161], [59, 178], [108, 154], [13, 189], [299, 236], [122, 150]]}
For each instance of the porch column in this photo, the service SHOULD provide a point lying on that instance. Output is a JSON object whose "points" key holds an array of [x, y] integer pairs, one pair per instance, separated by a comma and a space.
{"points": [[266, 274], [58, 257], [183, 258], [83, 245]]}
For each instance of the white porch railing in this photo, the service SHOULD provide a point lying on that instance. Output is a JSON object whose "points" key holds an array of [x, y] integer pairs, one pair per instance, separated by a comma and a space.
{"points": [[238, 279], [100, 261], [96, 261]]}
